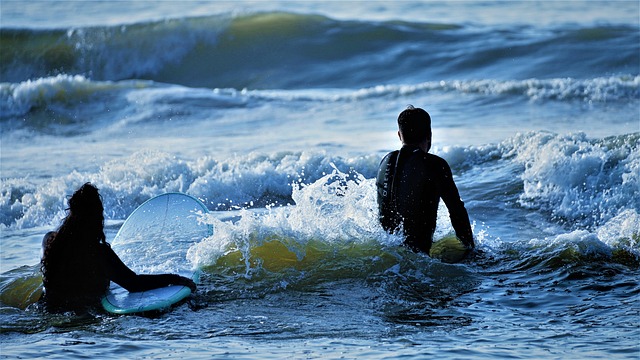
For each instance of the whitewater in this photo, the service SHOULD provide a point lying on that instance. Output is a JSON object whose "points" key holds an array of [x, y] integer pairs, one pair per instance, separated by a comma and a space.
{"points": [[276, 116]]}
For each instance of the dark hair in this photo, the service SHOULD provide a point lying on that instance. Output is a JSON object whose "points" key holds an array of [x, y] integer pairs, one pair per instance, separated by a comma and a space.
{"points": [[414, 124], [86, 201]]}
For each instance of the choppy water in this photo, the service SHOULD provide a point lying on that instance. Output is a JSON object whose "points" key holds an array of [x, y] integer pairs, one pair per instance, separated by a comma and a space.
{"points": [[276, 115]]}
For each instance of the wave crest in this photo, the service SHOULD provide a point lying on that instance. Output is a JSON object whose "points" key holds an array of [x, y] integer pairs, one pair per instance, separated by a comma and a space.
{"points": [[274, 50]]}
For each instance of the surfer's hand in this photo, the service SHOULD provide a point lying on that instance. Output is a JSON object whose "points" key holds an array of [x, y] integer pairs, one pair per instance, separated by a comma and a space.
{"points": [[470, 248], [473, 252], [184, 281], [469, 245]]}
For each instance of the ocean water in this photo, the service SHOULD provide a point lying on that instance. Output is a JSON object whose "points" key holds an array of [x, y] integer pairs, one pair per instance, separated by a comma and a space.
{"points": [[276, 115]]}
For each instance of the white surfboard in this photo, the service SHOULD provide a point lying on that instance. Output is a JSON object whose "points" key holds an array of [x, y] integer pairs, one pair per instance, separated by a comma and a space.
{"points": [[157, 235]]}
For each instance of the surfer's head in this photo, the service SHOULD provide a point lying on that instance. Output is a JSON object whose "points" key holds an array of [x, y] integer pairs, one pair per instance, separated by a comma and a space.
{"points": [[414, 126], [86, 211], [86, 201]]}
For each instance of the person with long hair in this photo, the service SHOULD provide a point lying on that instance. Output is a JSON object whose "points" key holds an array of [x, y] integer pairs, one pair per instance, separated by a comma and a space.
{"points": [[78, 264]]}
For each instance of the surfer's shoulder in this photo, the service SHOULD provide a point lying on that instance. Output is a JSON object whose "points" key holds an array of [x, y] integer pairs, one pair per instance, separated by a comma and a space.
{"points": [[434, 159]]}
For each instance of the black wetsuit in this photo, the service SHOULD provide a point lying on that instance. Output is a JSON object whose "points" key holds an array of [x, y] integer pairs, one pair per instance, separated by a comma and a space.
{"points": [[79, 281], [410, 185]]}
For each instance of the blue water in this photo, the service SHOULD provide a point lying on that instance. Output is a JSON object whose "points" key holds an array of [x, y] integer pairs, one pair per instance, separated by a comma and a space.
{"points": [[276, 115]]}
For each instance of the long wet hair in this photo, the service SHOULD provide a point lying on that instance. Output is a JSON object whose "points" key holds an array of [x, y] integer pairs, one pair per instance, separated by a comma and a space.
{"points": [[71, 265]]}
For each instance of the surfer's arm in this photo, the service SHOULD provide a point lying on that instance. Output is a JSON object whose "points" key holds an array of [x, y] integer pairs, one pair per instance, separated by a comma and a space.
{"points": [[121, 274], [457, 212]]}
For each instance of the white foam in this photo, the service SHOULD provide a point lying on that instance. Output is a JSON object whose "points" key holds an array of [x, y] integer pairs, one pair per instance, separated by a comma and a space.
{"points": [[337, 209], [601, 89], [622, 230], [18, 99], [250, 180], [583, 180]]}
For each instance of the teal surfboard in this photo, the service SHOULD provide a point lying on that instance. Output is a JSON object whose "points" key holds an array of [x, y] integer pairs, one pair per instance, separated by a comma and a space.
{"points": [[156, 237]]}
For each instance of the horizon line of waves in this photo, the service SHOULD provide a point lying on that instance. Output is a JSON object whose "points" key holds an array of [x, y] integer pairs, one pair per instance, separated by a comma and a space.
{"points": [[155, 48], [245, 50]]}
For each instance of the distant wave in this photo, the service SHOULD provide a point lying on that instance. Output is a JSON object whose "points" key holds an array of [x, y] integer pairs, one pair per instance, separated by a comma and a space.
{"points": [[44, 94], [21, 98], [605, 89], [291, 51]]}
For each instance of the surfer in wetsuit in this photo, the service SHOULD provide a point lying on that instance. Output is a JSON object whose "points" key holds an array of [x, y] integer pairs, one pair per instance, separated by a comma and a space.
{"points": [[411, 182], [78, 264]]}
